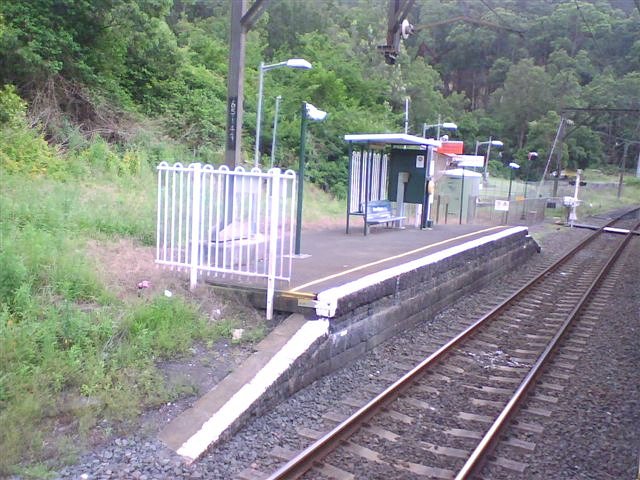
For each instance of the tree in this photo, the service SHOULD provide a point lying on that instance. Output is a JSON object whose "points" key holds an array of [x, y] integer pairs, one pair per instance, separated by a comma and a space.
{"points": [[524, 97]]}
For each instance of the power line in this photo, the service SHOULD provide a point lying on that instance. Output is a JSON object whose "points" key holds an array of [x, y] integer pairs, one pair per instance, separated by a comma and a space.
{"points": [[502, 20], [601, 109], [586, 24]]}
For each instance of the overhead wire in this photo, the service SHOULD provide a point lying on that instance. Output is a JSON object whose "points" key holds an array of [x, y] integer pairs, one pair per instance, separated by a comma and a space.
{"points": [[504, 22], [588, 25]]}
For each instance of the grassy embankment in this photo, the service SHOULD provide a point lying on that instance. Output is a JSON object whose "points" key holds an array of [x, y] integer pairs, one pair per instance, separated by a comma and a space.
{"points": [[71, 351], [77, 357]]}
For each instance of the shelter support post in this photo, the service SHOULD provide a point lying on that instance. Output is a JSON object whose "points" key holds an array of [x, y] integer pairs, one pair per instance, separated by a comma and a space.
{"points": [[349, 189]]}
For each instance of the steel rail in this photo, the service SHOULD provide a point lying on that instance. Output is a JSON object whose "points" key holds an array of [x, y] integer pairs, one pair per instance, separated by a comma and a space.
{"points": [[478, 458], [310, 456]]}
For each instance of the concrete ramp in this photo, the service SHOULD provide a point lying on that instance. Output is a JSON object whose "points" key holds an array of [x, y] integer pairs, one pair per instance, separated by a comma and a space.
{"points": [[220, 412]]}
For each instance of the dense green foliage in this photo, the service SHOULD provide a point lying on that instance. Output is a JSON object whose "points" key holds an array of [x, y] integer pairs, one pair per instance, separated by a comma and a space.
{"points": [[505, 71]]}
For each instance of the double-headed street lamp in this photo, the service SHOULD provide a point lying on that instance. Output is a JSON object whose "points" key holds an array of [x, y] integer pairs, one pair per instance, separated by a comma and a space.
{"points": [[446, 125], [298, 63], [490, 142]]}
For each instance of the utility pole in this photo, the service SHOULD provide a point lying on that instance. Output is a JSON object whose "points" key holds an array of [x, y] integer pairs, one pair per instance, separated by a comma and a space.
{"points": [[622, 167], [241, 21], [235, 84], [563, 123]]}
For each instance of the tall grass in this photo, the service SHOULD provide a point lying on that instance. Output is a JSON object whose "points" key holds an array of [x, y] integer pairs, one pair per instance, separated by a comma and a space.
{"points": [[71, 353]]}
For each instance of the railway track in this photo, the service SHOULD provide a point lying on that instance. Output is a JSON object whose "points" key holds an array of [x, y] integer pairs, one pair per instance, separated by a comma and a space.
{"points": [[445, 417]]}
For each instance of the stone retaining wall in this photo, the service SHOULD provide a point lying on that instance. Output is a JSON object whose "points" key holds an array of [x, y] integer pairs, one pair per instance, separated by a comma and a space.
{"points": [[402, 302]]}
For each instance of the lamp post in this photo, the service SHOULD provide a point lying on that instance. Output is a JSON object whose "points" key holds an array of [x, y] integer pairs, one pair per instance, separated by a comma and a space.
{"points": [[307, 112], [275, 129], [490, 142], [461, 197], [531, 156], [406, 115], [447, 125], [298, 63], [513, 166]]}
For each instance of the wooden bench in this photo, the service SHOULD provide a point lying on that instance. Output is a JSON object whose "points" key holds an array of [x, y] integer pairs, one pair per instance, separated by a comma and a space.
{"points": [[380, 211]]}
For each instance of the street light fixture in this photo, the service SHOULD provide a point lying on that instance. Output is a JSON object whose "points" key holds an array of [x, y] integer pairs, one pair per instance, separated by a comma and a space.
{"points": [[308, 112], [298, 63], [490, 142], [513, 166], [446, 125]]}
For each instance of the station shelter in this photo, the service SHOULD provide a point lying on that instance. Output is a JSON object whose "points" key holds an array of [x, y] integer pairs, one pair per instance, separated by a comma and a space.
{"points": [[391, 168]]}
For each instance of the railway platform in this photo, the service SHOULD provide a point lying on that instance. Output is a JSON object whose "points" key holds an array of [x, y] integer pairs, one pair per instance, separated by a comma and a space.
{"points": [[332, 261], [348, 293]]}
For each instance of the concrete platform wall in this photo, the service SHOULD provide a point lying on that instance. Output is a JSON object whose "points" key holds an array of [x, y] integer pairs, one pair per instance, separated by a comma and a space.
{"points": [[371, 317]]}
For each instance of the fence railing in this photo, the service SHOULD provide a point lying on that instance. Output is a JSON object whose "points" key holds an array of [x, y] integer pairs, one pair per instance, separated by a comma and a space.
{"points": [[489, 210], [217, 221]]}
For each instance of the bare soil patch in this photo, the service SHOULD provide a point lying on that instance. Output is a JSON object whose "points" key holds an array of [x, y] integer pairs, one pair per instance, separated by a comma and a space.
{"points": [[122, 265]]}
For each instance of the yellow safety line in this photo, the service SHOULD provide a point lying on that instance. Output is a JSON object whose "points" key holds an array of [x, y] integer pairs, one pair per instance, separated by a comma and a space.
{"points": [[355, 269]]}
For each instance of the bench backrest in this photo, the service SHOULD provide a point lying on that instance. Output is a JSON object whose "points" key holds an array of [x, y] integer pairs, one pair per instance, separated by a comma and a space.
{"points": [[379, 209]]}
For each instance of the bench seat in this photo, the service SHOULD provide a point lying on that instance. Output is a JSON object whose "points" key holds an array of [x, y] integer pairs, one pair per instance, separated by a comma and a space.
{"points": [[380, 211]]}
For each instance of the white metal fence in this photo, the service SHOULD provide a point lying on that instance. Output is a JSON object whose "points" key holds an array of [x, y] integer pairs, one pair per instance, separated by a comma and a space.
{"points": [[217, 221]]}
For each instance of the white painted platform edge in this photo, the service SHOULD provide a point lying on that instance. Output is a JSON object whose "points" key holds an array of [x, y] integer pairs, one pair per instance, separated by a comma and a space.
{"points": [[240, 402], [328, 299]]}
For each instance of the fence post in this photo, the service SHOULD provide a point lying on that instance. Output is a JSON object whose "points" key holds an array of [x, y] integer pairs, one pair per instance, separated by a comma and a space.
{"points": [[195, 224], [274, 212]]}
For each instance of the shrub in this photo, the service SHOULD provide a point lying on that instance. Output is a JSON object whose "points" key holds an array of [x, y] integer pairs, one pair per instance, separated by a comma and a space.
{"points": [[22, 149]]}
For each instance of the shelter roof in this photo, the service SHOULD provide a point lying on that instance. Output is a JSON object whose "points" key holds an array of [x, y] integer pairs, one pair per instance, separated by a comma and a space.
{"points": [[391, 139]]}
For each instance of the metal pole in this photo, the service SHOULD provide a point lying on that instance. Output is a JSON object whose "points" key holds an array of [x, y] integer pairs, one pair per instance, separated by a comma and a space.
{"points": [[510, 181], [524, 202], [406, 115], [622, 167], [438, 131], [486, 162], [553, 147], [256, 157], [572, 214], [461, 196], [195, 225], [509, 197], [428, 175], [275, 129], [303, 134], [273, 240], [556, 179]]}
